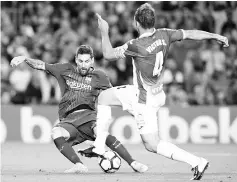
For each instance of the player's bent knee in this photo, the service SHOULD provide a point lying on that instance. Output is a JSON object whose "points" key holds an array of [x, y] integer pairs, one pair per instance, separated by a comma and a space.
{"points": [[151, 141], [58, 132], [149, 147], [108, 98]]}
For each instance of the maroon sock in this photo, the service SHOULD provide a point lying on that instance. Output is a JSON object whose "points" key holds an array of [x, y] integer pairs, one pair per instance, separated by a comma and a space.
{"points": [[116, 146], [66, 150]]}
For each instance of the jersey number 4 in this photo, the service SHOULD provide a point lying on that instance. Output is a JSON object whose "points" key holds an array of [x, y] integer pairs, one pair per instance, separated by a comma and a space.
{"points": [[159, 64]]}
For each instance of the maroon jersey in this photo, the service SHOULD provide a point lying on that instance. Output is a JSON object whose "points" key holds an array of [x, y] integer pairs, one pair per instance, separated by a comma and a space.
{"points": [[148, 53], [79, 93]]}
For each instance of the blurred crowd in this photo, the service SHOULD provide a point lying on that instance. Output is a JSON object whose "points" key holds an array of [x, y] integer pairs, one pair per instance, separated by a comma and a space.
{"points": [[197, 72]]}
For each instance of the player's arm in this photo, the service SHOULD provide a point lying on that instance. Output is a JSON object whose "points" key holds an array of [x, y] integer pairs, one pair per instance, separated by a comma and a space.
{"points": [[103, 81], [203, 35], [34, 63], [109, 52], [107, 49], [177, 35], [53, 69]]}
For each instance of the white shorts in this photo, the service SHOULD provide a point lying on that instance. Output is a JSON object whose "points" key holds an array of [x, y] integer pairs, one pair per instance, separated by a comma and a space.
{"points": [[145, 114]]}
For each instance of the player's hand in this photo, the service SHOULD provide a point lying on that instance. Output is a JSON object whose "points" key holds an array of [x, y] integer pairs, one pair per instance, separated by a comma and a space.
{"points": [[223, 40], [17, 60], [103, 25]]}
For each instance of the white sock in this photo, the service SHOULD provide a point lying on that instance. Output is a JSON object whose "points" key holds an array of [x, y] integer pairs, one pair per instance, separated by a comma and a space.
{"points": [[102, 124], [171, 151]]}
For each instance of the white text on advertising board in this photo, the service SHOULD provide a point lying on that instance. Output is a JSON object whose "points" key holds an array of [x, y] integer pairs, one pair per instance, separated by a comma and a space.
{"points": [[202, 129]]}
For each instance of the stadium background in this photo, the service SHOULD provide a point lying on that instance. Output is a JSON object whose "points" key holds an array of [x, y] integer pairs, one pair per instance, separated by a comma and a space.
{"points": [[200, 82]]}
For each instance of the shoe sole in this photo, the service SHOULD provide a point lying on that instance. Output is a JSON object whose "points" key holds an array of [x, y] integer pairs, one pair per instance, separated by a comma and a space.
{"points": [[199, 177], [140, 171], [205, 168], [143, 171]]}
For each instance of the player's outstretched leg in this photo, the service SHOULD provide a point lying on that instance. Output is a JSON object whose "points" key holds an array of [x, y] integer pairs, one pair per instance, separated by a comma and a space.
{"points": [[103, 121], [116, 146], [171, 151], [198, 164], [150, 137], [106, 99], [58, 135]]}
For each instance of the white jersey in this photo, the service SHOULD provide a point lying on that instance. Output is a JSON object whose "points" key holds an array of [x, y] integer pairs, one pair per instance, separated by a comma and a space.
{"points": [[148, 53]]}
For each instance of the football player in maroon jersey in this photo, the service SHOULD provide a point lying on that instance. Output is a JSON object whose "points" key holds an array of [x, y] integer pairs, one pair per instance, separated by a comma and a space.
{"points": [[80, 86]]}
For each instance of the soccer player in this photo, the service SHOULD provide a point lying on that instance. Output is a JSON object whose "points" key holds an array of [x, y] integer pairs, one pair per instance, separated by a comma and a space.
{"points": [[80, 87], [146, 96]]}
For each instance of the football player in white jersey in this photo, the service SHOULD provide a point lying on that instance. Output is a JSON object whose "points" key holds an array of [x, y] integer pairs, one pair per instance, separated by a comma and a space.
{"points": [[146, 96]]}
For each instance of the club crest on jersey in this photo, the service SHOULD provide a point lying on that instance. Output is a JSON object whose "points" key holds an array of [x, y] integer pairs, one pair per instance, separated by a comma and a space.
{"points": [[155, 44], [80, 86], [88, 79]]}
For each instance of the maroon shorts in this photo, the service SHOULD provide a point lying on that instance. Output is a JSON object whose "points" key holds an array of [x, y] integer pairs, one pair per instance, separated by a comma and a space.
{"points": [[79, 134], [80, 117]]}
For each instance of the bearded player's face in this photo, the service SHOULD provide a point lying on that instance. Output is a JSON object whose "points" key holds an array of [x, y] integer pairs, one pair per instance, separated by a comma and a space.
{"points": [[84, 62]]}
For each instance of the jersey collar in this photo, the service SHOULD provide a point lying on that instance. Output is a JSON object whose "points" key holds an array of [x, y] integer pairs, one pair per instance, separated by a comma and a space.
{"points": [[147, 34], [90, 70]]}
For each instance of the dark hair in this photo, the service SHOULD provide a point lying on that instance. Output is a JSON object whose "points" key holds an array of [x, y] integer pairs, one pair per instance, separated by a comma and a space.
{"points": [[145, 15], [85, 49]]}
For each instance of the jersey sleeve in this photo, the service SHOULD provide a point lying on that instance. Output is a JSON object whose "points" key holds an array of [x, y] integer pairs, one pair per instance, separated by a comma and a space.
{"points": [[128, 49], [56, 69], [174, 35], [103, 82]]}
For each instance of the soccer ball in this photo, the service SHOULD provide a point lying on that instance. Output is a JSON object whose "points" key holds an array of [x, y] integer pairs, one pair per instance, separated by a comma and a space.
{"points": [[112, 162]]}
